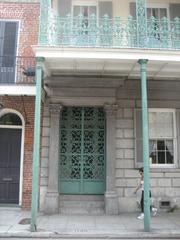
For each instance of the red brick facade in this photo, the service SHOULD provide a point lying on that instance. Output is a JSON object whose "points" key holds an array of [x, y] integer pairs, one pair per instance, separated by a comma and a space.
{"points": [[25, 106], [28, 15]]}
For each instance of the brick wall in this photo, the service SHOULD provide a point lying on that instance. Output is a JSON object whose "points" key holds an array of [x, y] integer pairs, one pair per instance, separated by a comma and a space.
{"points": [[28, 15], [25, 106]]}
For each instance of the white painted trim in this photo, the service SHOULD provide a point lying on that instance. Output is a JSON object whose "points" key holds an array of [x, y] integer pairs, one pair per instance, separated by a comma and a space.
{"points": [[84, 3], [93, 3], [11, 126], [158, 5], [15, 90], [166, 166], [106, 54], [84, 101], [174, 138], [3, 112]]}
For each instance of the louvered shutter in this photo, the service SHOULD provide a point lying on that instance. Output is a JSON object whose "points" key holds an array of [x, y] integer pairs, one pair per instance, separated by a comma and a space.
{"points": [[174, 10], [138, 138], [178, 135], [8, 49], [65, 7], [2, 25], [132, 9], [105, 8]]}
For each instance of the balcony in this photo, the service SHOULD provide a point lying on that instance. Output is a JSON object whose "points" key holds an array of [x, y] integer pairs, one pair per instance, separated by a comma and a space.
{"points": [[17, 75], [15, 70], [110, 33]]}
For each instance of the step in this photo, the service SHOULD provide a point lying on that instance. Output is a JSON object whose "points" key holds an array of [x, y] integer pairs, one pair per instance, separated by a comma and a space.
{"points": [[81, 204]]}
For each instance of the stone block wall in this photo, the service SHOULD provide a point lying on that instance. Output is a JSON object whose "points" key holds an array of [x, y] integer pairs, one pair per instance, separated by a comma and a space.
{"points": [[164, 182], [44, 155], [27, 13]]}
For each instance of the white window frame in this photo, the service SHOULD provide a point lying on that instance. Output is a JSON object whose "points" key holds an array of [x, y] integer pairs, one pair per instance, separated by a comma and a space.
{"points": [[173, 111], [93, 3], [22, 127], [158, 5]]}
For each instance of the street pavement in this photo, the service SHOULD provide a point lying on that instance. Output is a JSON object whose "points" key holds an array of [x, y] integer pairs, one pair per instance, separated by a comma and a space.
{"points": [[86, 238], [14, 223]]}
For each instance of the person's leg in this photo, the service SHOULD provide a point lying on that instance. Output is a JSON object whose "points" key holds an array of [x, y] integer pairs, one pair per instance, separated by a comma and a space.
{"points": [[141, 216], [150, 201], [142, 201], [152, 208]]}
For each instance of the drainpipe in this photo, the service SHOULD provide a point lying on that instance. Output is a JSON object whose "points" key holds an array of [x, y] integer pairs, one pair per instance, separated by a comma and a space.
{"points": [[36, 149], [145, 133]]}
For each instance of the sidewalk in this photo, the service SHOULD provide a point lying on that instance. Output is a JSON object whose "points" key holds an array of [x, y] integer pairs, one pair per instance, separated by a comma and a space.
{"points": [[165, 225]]}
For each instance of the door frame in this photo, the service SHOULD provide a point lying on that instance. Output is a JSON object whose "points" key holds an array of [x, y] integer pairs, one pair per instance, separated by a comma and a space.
{"points": [[22, 127], [105, 159]]}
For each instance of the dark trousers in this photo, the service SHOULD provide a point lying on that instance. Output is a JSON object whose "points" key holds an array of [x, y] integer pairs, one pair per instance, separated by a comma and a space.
{"points": [[142, 201]]}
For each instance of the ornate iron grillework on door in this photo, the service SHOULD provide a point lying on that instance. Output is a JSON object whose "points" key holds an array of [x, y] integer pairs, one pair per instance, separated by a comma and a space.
{"points": [[82, 150]]}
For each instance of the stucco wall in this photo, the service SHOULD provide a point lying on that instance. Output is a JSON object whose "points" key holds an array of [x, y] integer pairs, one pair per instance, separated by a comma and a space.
{"points": [[121, 8]]}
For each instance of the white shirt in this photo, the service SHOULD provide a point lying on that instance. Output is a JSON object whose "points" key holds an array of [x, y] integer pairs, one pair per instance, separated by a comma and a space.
{"points": [[142, 185]]}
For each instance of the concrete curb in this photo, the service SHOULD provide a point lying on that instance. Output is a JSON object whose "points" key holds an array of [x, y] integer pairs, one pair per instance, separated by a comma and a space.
{"points": [[123, 235]]}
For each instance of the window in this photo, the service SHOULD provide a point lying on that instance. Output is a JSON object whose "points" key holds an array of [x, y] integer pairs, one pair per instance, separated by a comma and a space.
{"points": [[157, 27], [86, 11], [84, 22], [8, 47], [161, 136], [10, 119], [158, 13]]}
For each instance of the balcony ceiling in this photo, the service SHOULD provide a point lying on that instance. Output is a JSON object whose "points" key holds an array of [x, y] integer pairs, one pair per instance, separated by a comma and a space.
{"points": [[111, 63]]}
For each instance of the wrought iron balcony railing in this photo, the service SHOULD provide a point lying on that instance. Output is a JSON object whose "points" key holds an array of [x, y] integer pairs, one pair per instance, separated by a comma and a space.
{"points": [[81, 31], [17, 70]]}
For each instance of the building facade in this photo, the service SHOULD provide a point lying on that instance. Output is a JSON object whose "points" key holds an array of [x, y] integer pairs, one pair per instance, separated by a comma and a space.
{"points": [[89, 55], [18, 32], [91, 133]]}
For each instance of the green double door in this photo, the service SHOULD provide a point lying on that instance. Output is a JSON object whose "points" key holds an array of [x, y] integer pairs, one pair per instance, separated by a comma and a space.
{"points": [[82, 151]]}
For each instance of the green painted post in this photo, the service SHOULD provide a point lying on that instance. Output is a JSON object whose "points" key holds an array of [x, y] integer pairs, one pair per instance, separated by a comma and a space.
{"points": [[145, 132], [36, 149]]}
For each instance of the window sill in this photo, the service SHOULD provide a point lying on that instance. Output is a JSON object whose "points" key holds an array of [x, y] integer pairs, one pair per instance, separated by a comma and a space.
{"points": [[164, 168]]}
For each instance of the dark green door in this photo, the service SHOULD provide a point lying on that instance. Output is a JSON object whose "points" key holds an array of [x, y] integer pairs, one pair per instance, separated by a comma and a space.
{"points": [[82, 151], [10, 149]]}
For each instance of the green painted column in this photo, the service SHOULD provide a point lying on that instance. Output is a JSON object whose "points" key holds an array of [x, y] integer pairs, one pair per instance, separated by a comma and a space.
{"points": [[36, 149], [145, 132], [141, 17]]}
